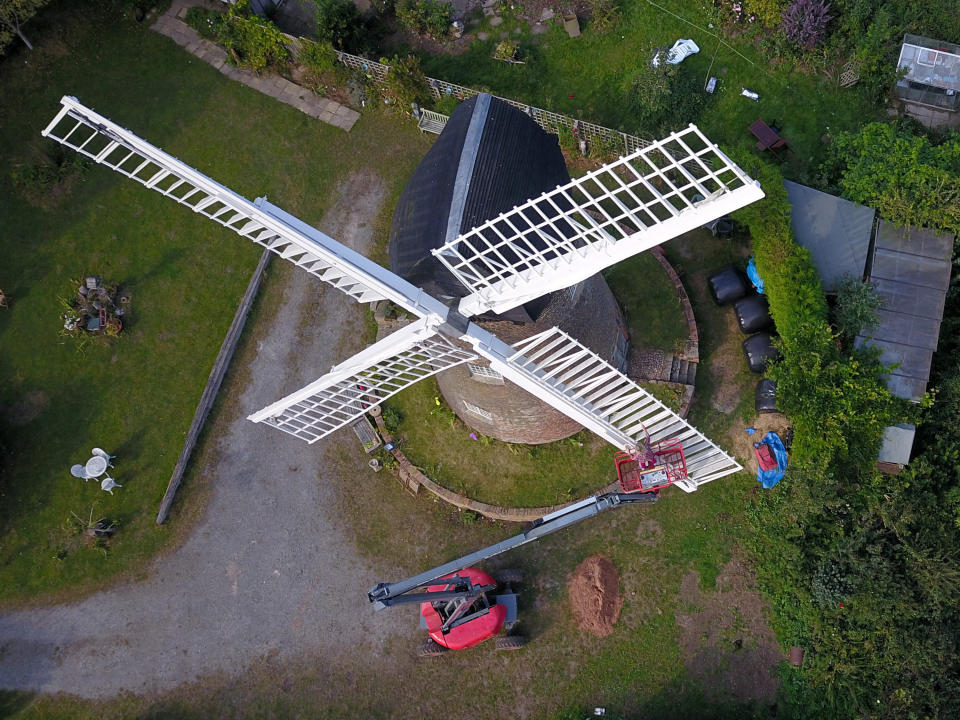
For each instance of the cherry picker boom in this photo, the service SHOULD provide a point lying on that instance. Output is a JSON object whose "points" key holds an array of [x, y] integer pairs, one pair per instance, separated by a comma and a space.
{"points": [[455, 598]]}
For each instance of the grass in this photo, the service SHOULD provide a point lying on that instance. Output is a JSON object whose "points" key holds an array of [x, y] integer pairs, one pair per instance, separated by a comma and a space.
{"points": [[136, 396], [636, 672], [493, 471], [590, 77], [649, 301]]}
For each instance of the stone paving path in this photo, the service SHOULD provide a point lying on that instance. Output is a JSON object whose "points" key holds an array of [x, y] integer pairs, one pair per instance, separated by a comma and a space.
{"points": [[172, 25]]}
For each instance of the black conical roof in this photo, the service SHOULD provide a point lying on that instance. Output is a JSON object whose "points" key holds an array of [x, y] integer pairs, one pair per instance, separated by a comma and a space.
{"points": [[489, 158]]}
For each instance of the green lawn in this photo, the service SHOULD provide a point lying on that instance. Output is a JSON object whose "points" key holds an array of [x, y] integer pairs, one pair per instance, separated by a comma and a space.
{"points": [[135, 396], [649, 301], [590, 77]]}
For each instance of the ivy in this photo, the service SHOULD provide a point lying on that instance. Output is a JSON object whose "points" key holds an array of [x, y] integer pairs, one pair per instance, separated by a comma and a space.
{"points": [[909, 180]]}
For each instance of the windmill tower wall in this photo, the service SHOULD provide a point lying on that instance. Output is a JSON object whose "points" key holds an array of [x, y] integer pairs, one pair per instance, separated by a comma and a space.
{"points": [[588, 312], [490, 158]]}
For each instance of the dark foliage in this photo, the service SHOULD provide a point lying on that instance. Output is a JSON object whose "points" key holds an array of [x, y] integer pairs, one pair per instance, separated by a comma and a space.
{"points": [[805, 22], [666, 97], [862, 569], [339, 23]]}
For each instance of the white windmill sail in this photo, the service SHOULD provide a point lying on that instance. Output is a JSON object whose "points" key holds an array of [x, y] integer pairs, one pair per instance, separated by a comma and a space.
{"points": [[568, 234], [368, 378], [579, 383], [105, 142], [549, 243]]}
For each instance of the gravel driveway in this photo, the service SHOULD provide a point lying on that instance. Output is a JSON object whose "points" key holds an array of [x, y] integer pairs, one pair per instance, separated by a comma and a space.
{"points": [[267, 569]]}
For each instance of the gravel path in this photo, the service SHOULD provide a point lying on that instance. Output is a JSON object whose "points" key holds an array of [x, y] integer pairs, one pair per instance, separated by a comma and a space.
{"points": [[267, 570]]}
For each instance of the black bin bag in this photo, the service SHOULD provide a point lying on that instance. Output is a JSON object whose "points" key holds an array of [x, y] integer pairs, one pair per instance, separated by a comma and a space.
{"points": [[727, 285], [766, 396], [753, 314], [759, 350]]}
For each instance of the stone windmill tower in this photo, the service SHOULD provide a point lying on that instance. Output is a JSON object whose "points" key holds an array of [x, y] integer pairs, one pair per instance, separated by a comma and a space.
{"points": [[490, 158]]}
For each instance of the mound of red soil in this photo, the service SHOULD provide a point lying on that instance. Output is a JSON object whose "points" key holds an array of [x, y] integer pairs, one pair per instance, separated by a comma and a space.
{"points": [[594, 589]]}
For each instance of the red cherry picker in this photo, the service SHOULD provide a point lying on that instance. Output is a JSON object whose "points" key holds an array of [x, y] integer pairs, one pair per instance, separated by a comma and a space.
{"points": [[458, 604]]}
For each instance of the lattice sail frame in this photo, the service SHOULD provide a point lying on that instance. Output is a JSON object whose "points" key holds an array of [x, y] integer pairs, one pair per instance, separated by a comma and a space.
{"points": [[552, 365], [568, 234], [385, 368], [579, 383], [105, 142]]}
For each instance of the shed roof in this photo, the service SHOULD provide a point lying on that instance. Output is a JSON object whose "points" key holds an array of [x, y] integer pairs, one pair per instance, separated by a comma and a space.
{"points": [[897, 444], [835, 231], [489, 158], [910, 268]]}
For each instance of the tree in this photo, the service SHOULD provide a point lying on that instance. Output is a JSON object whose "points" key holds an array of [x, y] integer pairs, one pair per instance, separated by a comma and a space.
{"points": [[665, 97], [340, 24], [904, 176], [856, 307], [13, 14]]}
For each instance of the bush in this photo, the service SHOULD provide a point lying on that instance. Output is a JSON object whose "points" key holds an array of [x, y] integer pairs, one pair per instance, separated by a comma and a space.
{"points": [[446, 104], [856, 308], [339, 23], [252, 42], [666, 97], [604, 15], [837, 403], [425, 17], [205, 22], [319, 61], [405, 84], [805, 22], [905, 177], [768, 12]]}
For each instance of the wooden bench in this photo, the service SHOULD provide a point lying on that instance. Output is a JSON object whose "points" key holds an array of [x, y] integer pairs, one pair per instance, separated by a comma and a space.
{"points": [[432, 122]]}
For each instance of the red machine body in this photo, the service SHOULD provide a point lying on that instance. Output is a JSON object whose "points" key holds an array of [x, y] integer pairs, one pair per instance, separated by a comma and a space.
{"points": [[481, 621]]}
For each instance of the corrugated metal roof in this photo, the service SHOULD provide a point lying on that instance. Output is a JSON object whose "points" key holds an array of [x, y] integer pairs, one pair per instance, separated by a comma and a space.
{"points": [[836, 231], [911, 269]]}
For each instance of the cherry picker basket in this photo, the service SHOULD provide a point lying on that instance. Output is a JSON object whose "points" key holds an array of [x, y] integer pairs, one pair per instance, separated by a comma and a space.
{"points": [[652, 468]]}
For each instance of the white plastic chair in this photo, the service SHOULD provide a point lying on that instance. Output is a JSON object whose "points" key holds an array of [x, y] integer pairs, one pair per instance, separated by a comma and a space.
{"points": [[108, 484], [104, 455], [78, 471]]}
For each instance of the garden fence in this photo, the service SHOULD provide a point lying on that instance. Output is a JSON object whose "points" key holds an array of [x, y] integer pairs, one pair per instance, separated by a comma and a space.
{"points": [[552, 122]]}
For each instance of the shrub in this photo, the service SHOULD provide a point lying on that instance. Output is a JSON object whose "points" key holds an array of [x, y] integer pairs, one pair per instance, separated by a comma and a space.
{"points": [[405, 84], [856, 308], [252, 42], [805, 22], [506, 50], [905, 177], [339, 23], [665, 97], [205, 22], [425, 17], [604, 15], [446, 104], [768, 12], [319, 61]]}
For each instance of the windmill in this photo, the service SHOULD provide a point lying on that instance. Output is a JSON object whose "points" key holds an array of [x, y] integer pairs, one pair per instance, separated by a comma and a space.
{"points": [[546, 244]]}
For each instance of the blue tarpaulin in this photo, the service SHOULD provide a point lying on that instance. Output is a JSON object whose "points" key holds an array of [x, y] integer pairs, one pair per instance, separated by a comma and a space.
{"points": [[754, 276], [769, 478]]}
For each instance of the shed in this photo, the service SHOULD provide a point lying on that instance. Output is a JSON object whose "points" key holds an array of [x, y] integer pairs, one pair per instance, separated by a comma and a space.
{"points": [[910, 268], [896, 448], [835, 231]]}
